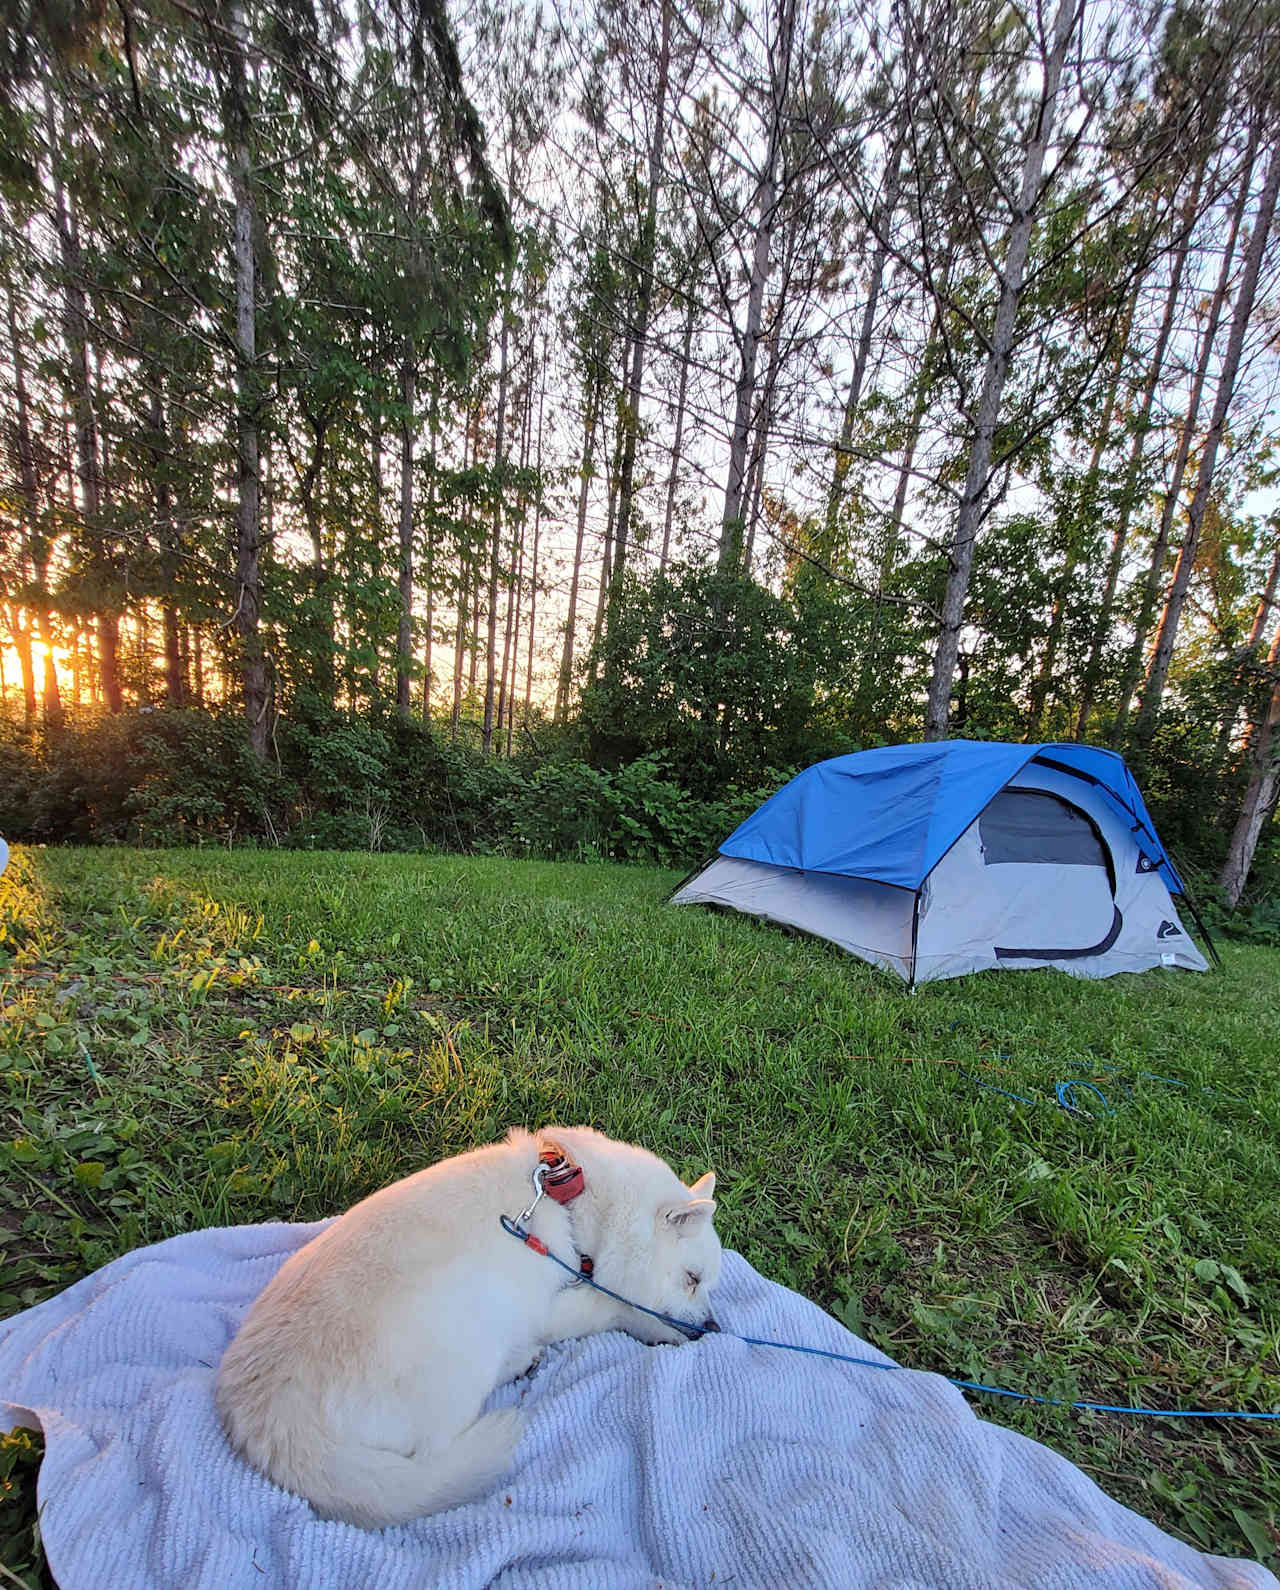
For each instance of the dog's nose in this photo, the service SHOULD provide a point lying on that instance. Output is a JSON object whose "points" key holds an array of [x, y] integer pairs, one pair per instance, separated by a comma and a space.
{"points": [[709, 1324]]}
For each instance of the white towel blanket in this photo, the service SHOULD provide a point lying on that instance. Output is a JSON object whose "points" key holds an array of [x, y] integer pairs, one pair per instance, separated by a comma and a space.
{"points": [[696, 1466]]}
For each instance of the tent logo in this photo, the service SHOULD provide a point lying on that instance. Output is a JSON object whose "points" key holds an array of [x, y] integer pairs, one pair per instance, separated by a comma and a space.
{"points": [[1167, 930], [1145, 863]]}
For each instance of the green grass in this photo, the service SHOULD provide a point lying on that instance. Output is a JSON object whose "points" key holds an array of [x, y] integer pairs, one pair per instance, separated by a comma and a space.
{"points": [[190, 1039]]}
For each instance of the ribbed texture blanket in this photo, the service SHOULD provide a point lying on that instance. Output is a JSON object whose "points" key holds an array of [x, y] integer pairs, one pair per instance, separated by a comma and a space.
{"points": [[712, 1464]]}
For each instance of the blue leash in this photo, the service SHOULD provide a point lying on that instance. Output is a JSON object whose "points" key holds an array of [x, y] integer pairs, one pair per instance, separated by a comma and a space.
{"points": [[695, 1331], [1064, 1091], [1065, 1094]]}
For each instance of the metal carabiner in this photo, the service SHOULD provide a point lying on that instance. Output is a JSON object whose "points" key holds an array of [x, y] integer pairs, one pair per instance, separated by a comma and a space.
{"points": [[539, 1176]]}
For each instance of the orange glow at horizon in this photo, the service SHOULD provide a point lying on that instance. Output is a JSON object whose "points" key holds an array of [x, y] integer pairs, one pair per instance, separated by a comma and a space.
{"points": [[11, 667]]}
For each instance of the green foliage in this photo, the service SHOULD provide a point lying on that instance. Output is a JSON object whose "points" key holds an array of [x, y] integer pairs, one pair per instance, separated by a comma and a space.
{"points": [[634, 813], [147, 777], [342, 782], [715, 672], [1257, 923], [21, 1552]]}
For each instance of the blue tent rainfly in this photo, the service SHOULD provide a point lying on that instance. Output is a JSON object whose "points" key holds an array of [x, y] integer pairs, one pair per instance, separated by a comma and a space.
{"points": [[939, 859]]}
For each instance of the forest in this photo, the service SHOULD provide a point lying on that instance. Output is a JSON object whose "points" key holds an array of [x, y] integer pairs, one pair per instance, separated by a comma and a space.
{"points": [[543, 429]]}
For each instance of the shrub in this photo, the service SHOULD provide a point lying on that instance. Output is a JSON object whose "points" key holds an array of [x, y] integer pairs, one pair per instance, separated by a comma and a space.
{"points": [[170, 777]]}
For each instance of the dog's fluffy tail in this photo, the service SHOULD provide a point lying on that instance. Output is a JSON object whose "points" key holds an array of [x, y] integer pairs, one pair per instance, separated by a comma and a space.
{"points": [[374, 1488]]}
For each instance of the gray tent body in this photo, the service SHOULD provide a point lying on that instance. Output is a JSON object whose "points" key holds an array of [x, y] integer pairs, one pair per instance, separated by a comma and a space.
{"points": [[1048, 874]]}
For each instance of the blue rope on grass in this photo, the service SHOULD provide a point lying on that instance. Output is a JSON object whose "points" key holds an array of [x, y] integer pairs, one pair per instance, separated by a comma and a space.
{"points": [[1065, 1092], [1067, 1098], [695, 1331]]}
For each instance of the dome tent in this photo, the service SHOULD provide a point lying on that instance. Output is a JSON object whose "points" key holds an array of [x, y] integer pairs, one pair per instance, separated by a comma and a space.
{"points": [[940, 859]]}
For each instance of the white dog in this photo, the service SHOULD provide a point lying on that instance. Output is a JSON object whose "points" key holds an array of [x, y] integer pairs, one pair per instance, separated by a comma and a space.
{"points": [[358, 1376]]}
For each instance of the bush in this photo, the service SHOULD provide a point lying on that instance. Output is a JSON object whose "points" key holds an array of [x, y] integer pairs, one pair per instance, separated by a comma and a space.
{"points": [[713, 675], [19, 762], [171, 777], [1256, 923], [157, 777]]}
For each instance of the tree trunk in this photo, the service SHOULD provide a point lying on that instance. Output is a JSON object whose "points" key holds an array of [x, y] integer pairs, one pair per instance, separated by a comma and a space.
{"points": [[1262, 614], [74, 658], [759, 450], [22, 645], [164, 536], [515, 578], [172, 654], [189, 686], [173, 682], [473, 661], [977, 478], [844, 445], [537, 531], [1259, 796], [516, 591], [1159, 552], [1062, 589], [756, 498], [495, 558], [77, 323], [1265, 602], [584, 485], [879, 230], [197, 666], [731, 525], [1158, 673], [248, 578], [142, 652], [321, 672], [377, 528], [88, 474], [644, 297], [433, 431], [506, 677], [1102, 620], [464, 587], [459, 647], [26, 452], [678, 441], [404, 629], [85, 419], [606, 561], [35, 542], [874, 663], [51, 696]]}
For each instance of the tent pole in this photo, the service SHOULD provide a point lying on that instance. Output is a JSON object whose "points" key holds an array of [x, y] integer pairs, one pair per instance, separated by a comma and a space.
{"points": [[1204, 931], [915, 938], [1195, 915]]}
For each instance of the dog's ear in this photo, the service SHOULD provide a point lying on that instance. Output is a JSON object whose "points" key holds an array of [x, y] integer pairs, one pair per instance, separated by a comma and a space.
{"points": [[704, 1187], [686, 1218]]}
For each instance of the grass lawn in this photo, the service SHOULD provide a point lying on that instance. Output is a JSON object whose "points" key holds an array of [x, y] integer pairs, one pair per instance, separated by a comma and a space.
{"points": [[198, 1038]]}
